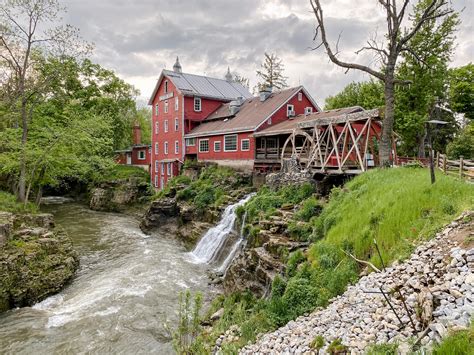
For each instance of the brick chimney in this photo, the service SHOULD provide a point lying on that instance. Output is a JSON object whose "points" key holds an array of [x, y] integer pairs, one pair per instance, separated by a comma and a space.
{"points": [[137, 134]]}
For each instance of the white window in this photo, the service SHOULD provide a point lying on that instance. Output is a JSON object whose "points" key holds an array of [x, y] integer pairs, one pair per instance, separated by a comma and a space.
{"points": [[230, 143], [157, 127], [162, 180], [190, 142], [300, 96], [176, 147], [245, 144], [197, 104], [166, 86], [166, 126], [156, 180], [176, 103], [166, 106], [290, 110], [162, 171], [168, 168], [166, 148], [157, 166], [308, 110], [176, 124], [157, 109], [156, 148], [203, 145], [217, 146], [141, 155]]}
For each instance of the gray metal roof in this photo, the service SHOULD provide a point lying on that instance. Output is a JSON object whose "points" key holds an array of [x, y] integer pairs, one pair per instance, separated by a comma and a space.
{"points": [[191, 84]]}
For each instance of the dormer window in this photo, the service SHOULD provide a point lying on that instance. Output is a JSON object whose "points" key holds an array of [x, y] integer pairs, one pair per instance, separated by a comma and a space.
{"points": [[290, 110], [166, 86], [197, 104]]}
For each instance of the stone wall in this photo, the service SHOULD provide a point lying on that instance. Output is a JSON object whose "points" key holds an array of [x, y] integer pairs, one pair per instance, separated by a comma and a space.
{"points": [[290, 174]]}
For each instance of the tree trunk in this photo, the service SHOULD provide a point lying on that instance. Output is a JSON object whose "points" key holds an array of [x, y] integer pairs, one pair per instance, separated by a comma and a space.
{"points": [[22, 179], [388, 121]]}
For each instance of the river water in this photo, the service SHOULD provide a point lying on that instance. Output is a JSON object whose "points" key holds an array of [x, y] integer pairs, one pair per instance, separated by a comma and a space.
{"points": [[124, 292]]}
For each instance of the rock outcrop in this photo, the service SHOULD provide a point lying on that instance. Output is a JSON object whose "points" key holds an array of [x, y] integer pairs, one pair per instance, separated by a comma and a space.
{"points": [[290, 174], [35, 259], [118, 194], [436, 284]]}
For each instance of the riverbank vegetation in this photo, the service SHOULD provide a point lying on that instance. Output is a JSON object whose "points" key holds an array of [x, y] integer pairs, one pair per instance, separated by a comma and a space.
{"points": [[396, 207], [9, 203]]}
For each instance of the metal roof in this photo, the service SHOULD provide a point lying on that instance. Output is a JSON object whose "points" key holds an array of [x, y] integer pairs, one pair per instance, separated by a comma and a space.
{"points": [[250, 116], [288, 126], [203, 86]]}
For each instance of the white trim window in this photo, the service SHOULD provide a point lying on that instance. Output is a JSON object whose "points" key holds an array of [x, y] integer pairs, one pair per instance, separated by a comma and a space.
{"points": [[230, 143], [217, 146], [290, 110], [162, 180], [203, 145], [176, 147], [141, 155], [166, 86], [245, 145], [308, 110], [157, 127], [197, 104], [157, 148], [166, 148], [157, 166], [157, 109], [156, 180], [166, 126], [162, 170], [300, 96], [176, 124], [190, 142], [176, 103], [168, 169], [166, 106]]}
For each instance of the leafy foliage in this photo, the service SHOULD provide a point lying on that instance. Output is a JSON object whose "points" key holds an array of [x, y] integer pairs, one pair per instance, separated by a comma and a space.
{"points": [[461, 90], [9, 203], [462, 144], [367, 95]]}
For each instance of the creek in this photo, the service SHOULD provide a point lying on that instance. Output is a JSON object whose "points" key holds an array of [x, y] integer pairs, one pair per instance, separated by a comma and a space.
{"points": [[126, 288]]}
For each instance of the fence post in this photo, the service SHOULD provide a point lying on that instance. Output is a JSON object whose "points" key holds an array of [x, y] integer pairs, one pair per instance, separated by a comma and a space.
{"points": [[437, 160], [444, 164], [461, 166]]}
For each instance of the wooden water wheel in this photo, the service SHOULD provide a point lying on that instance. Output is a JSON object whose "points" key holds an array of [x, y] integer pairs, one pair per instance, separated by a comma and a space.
{"points": [[299, 145]]}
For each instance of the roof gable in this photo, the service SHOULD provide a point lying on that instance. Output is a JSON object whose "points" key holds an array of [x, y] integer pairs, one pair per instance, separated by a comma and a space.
{"points": [[202, 86]]}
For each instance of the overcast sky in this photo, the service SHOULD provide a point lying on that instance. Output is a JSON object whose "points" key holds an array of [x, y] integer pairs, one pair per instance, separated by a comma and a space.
{"points": [[139, 38]]}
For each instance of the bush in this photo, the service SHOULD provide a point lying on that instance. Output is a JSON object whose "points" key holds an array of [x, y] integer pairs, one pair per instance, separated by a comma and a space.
{"points": [[294, 260], [299, 297], [9, 203], [383, 349], [309, 208]]}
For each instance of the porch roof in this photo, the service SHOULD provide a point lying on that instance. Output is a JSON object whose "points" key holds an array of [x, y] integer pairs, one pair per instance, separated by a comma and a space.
{"points": [[288, 126]]}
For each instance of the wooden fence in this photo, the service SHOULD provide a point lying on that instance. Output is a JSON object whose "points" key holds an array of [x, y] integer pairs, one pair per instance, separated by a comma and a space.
{"points": [[463, 168]]}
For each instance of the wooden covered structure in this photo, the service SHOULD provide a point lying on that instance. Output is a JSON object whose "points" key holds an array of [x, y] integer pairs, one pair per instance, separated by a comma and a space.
{"points": [[340, 142]]}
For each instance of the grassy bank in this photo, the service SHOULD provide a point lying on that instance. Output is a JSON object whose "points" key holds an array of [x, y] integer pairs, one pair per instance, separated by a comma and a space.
{"points": [[398, 208], [9, 203], [119, 172]]}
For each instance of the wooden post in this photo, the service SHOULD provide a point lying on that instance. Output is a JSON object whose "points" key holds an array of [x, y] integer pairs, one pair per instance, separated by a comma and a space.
{"points": [[444, 164], [461, 166], [437, 160]]}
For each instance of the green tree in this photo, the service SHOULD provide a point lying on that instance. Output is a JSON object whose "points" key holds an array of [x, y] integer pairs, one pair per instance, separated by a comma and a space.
{"points": [[426, 66], [271, 73], [401, 28], [367, 94], [461, 90], [143, 117], [463, 144], [27, 30]]}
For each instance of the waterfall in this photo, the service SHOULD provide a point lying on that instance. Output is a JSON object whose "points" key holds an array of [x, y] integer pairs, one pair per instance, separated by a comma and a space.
{"points": [[223, 268], [211, 243]]}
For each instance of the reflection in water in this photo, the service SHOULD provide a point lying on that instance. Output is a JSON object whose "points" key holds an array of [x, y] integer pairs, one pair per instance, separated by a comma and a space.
{"points": [[125, 289]]}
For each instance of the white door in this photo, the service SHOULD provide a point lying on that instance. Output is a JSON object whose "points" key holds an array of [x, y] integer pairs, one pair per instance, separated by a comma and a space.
{"points": [[129, 159]]}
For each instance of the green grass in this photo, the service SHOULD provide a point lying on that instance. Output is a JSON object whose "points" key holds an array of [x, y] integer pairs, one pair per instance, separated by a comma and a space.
{"points": [[457, 343], [9, 203], [397, 207]]}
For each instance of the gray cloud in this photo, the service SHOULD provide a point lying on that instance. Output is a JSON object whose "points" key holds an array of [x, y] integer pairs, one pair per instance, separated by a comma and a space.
{"points": [[137, 39]]}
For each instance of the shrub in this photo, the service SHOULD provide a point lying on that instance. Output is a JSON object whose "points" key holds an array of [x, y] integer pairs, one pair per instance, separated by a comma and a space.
{"points": [[336, 347], [9, 203], [299, 297], [383, 349], [294, 260], [317, 343], [309, 208]]}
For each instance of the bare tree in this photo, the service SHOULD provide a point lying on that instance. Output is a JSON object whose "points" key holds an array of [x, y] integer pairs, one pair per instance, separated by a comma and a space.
{"points": [[398, 38], [28, 31], [272, 72]]}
